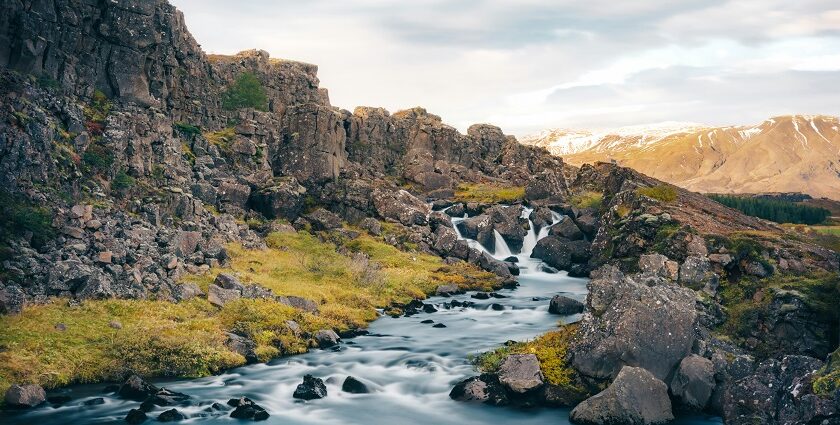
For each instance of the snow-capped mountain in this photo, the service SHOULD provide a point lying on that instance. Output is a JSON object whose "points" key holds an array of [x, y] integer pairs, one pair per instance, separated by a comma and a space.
{"points": [[795, 153]]}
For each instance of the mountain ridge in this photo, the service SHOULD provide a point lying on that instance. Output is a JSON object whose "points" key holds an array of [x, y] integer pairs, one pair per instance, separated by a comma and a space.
{"points": [[789, 153]]}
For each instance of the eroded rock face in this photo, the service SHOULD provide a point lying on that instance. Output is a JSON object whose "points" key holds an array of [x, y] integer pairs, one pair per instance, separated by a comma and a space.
{"points": [[631, 324], [635, 397]]}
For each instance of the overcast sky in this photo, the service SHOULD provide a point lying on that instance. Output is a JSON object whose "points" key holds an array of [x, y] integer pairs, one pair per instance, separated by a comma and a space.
{"points": [[526, 65]]}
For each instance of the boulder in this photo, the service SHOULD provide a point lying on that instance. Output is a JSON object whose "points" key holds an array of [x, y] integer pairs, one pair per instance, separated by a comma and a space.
{"points": [[242, 346], [228, 281], [561, 253], [695, 270], [219, 296], [693, 383], [171, 415], [508, 222], [135, 388], [635, 397], [12, 300], [457, 210], [520, 373], [541, 217], [484, 389], [299, 303], [285, 199], [25, 396], [245, 408], [400, 206], [565, 305], [632, 324], [371, 225], [135, 416], [548, 184], [354, 386], [323, 220], [479, 228], [326, 338], [448, 290], [312, 388], [187, 291], [658, 265], [567, 229]]}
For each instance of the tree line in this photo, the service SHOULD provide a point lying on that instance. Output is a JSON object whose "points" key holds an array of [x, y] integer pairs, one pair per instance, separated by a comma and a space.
{"points": [[774, 210]]}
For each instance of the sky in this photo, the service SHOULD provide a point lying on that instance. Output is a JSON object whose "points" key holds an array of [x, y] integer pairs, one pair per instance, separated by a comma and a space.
{"points": [[529, 65]]}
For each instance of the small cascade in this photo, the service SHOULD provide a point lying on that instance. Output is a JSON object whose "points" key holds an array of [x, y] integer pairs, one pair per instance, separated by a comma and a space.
{"points": [[501, 250]]}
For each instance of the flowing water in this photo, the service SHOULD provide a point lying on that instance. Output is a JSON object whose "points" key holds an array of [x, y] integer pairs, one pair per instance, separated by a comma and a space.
{"points": [[409, 366]]}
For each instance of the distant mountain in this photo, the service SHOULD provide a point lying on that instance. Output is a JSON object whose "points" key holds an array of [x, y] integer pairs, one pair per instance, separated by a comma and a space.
{"points": [[793, 153]]}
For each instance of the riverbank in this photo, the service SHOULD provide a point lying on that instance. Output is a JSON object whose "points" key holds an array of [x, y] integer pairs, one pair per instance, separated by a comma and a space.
{"points": [[346, 275]]}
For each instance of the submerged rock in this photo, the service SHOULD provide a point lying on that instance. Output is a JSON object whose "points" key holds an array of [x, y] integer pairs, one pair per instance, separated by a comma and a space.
{"points": [[354, 386], [171, 415], [485, 389], [326, 338], [136, 416], [135, 388], [245, 408], [312, 388], [636, 397]]}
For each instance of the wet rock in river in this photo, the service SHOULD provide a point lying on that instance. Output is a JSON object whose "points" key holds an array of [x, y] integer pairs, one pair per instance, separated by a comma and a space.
{"points": [[484, 389], [635, 397], [25, 396], [136, 416], [565, 305], [171, 415], [135, 388], [245, 408], [326, 338], [521, 373], [354, 386], [312, 388]]}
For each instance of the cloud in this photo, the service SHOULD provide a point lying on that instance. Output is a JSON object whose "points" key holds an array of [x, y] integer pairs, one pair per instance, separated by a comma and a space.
{"points": [[532, 64]]}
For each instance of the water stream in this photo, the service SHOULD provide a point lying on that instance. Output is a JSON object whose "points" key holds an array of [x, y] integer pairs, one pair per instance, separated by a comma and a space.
{"points": [[410, 366]]}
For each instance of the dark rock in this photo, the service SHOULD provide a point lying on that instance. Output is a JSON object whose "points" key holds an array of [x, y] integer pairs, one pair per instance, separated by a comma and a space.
{"points": [[354, 386], [635, 397], [511, 259], [546, 185], [285, 199], [372, 226], [565, 305], [12, 300], [135, 388], [448, 290], [245, 408], [497, 307], [456, 210], [480, 296], [94, 401], [61, 399], [427, 321], [693, 383], [567, 229], [562, 396], [25, 396], [219, 296], [242, 346], [171, 415], [326, 338], [439, 325], [163, 397], [520, 373], [136, 416], [485, 389], [299, 303], [229, 281], [561, 253], [428, 308], [323, 220], [401, 207], [312, 388]]}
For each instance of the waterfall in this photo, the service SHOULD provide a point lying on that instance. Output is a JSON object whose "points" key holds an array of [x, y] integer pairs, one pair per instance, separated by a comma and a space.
{"points": [[501, 250]]}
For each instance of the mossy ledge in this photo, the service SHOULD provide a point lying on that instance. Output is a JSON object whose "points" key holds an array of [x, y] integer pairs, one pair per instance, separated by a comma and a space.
{"points": [[62, 342]]}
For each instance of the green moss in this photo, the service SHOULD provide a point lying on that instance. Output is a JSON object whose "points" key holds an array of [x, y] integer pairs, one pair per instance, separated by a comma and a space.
{"points": [[828, 378], [664, 193], [588, 200], [186, 130], [188, 153], [245, 92], [487, 193], [551, 350], [122, 182], [19, 217]]}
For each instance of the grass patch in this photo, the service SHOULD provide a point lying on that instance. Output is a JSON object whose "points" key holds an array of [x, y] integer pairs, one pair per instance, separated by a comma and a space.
{"points": [[222, 138], [592, 200], [660, 192], [186, 130], [486, 193], [159, 338], [828, 380], [550, 349], [246, 92]]}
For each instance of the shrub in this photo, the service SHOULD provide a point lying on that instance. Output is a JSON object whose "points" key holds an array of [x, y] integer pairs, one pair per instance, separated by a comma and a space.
{"points": [[661, 192], [122, 181], [777, 210], [19, 217], [187, 130], [98, 157], [246, 92]]}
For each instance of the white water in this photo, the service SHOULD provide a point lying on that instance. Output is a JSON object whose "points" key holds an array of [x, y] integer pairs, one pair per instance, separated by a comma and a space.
{"points": [[409, 365]]}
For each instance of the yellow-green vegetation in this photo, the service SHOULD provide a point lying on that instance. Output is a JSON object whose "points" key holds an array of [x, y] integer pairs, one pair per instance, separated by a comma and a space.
{"points": [[549, 348], [159, 338], [488, 193], [222, 138], [662, 192], [828, 380], [588, 200]]}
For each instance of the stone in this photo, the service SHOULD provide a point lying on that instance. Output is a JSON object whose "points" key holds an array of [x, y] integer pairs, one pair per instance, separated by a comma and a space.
{"points": [[12, 300], [242, 346], [484, 389], [219, 296], [186, 291], [96, 401], [372, 226], [564, 305], [658, 265], [136, 416], [400, 206], [694, 270], [115, 324], [299, 303], [25, 396], [561, 253], [73, 232], [354, 386], [186, 242], [245, 408], [633, 324], [635, 397], [326, 338], [135, 388], [520, 373], [694, 382], [171, 415], [105, 257], [312, 388], [323, 220], [228, 281], [567, 229], [448, 290]]}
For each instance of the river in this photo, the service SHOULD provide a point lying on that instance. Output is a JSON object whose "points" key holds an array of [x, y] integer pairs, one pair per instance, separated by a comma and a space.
{"points": [[410, 366]]}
